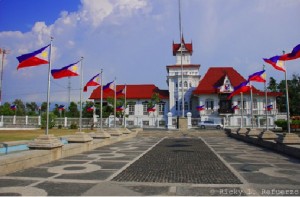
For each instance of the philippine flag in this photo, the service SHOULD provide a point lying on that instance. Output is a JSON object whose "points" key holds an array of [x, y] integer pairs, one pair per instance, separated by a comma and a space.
{"points": [[151, 109], [13, 107], [35, 58], [90, 109], [269, 107], [67, 71], [235, 107], [293, 55], [200, 108], [275, 62], [121, 91], [119, 108], [258, 76], [110, 85], [61, 107], [92, 82], [243, 87]]}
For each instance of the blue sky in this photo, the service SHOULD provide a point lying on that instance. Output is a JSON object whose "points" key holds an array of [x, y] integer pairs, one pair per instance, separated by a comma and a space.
{"points": [[132, 39]]}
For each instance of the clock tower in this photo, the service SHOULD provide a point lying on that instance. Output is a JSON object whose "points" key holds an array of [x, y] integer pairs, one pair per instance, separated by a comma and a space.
{"points": [[183, 77]]}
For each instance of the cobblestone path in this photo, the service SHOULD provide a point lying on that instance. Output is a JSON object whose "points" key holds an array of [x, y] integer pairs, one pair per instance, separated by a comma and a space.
{"points": [[179, 160]]}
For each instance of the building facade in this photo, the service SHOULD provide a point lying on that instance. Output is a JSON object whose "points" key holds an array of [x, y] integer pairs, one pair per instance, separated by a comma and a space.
{"points": [[183, 77], [211, 92], [139, 98]]}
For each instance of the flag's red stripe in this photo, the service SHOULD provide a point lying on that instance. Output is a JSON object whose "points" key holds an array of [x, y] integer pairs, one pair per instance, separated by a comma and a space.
{"points": [[63, 73], [33, 61]]}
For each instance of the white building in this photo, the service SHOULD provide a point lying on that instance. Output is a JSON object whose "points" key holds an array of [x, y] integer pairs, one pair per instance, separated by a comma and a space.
{"points": [[183, 77], [211, 92]]}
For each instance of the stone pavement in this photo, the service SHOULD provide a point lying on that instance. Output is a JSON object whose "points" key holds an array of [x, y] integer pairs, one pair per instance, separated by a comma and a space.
{"points": [[192, 165]]}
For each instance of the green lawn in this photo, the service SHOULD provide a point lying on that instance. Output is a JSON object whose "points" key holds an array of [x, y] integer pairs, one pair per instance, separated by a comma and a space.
{"points": [[15, 135]]}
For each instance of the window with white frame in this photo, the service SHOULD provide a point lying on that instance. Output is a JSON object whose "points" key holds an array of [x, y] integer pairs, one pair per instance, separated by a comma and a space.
{"points": [[131, 109], [161, 108], [145, 107]]}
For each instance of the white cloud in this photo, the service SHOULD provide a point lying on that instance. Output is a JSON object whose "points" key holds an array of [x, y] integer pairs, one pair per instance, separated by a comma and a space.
{"points": [[75, 35], [132, 40], [94, 11]]}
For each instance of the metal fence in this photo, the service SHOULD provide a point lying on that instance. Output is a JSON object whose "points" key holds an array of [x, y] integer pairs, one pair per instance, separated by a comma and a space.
{"points": [[137, 121], [20, 121]]}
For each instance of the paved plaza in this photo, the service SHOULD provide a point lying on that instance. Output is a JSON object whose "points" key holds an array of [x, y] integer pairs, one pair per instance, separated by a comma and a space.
{"points": [[163, 165]]}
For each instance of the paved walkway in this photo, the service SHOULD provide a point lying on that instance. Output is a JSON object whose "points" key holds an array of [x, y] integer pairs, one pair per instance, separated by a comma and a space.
{"points": [[157, 165]]}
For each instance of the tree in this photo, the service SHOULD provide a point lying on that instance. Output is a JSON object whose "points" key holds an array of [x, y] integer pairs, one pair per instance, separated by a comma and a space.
{"points": [[294, 94], [51, 122], [58, 112], [32, 109], [154, 100], [44, 107], [20, 111], [85, 113], [272, 86], [73, 111], [5, 110]]}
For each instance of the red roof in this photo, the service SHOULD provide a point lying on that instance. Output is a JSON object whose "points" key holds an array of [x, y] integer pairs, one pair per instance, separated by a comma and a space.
{"points": [[188, 46], [141, 91], [214, 78]]}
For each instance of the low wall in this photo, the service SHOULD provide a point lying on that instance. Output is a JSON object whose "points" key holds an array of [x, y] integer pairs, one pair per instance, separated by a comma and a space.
{"points": [[26, 159], [290, 150]]}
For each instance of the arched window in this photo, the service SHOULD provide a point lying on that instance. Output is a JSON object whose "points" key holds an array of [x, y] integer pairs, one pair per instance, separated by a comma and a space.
{"points": [[185, 84]]}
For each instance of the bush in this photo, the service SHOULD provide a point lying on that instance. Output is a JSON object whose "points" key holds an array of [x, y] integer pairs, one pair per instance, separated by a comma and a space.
{"points": [[73, 126], [282, 124], [59, 126], [51, 123], [297, 122]]}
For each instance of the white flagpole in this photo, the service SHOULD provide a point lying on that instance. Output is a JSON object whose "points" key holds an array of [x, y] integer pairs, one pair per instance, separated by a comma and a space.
{"points": [[266, 104], [115, 102], [81, 80], [101, 98], [48, 89], [287, 98], [181, 63], [242, 106], [125, 106], [251, 97]]}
